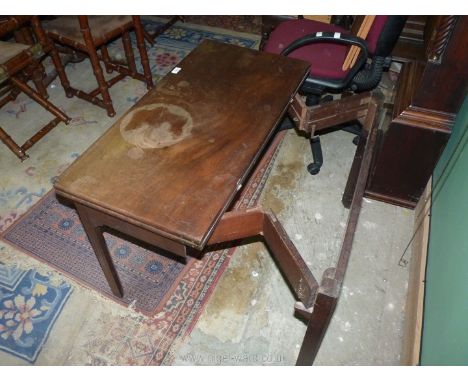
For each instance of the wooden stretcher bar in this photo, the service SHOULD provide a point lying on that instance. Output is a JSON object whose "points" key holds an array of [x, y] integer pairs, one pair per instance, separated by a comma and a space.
{"points": [[249, 223], [366, 107]]}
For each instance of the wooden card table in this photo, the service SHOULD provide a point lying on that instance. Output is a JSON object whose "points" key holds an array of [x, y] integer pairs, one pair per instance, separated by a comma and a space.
{"points": [[169, 169]]}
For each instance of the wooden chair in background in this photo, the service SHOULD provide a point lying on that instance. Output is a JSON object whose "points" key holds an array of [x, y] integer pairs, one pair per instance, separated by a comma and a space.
{"points": [[19, 63], [88, 34]]}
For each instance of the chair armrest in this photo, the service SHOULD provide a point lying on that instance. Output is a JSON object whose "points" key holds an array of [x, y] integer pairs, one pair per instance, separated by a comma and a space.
{"points": [[333, 38]]}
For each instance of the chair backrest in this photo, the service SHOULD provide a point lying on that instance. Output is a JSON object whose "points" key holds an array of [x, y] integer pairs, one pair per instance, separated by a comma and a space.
{"points": [[384, 33]]}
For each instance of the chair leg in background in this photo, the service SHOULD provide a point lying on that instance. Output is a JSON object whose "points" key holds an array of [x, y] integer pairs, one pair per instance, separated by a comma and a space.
{"points": [[106, 59], [12, 145], [41, 101], [140, 38], [129, 53], [103, 88], [50, 47], [37, 76]]}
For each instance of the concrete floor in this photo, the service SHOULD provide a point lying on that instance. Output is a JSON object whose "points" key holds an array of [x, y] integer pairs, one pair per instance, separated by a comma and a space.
{"points": [[249, 319]]}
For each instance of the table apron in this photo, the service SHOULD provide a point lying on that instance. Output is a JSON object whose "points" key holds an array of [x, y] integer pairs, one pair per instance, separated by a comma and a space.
{"points": [[102, 219]]}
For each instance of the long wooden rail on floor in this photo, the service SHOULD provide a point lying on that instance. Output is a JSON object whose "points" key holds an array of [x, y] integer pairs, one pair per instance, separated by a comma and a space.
{"points": [[367, 109]]}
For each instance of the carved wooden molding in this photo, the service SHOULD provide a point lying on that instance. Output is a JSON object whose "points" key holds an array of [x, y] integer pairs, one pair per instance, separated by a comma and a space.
{"points": [[441, 39], [426, 119]]}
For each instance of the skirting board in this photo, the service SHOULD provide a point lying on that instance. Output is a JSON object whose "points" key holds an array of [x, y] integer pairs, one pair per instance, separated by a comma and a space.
{"points": [[415, 297]]}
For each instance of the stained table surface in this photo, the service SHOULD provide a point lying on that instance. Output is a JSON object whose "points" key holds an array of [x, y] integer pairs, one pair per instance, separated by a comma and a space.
{"points": [[174, 162]]}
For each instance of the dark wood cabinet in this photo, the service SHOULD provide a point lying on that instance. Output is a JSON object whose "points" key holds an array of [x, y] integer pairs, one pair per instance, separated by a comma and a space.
{"points": [[429, 94]]}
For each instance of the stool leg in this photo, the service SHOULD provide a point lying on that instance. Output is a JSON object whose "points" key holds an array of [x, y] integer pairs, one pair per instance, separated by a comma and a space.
{"points": [[148, 37], [49, 46], [106, 58], [93, 57], [11, 144], [143, 54], [37, 78], [103, 88], [129, 53], [41, 101], [61, 71]]}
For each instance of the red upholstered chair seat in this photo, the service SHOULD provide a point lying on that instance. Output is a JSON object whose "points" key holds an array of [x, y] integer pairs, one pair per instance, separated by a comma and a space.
{"points": [[325, 59]]}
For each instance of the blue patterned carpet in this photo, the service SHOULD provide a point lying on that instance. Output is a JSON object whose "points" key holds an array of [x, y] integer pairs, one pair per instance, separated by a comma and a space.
{"points": [[29, 306]]}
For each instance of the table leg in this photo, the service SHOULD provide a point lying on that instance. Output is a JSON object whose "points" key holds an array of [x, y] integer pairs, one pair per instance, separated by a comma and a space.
{"points": [[94, 230], [353, 173], [316, 329]]}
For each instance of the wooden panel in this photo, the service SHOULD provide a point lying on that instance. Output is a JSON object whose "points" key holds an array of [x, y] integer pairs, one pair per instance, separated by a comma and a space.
{"points": [[408, 84], [445, 338], [174, 161], [406, 157], [415, 297], [428, 97]]}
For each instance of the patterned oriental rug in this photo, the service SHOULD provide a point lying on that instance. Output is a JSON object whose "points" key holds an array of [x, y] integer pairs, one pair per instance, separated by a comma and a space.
{"points": [[173, 294], [152, 279]]}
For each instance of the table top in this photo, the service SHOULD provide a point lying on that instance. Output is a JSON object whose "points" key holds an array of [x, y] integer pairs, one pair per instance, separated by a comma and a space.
{"points": [[174, 162]]}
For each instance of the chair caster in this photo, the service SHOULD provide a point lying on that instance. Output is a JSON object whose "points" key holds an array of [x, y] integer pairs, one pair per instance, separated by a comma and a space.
{"points": [[356, 140], [313, 168]]}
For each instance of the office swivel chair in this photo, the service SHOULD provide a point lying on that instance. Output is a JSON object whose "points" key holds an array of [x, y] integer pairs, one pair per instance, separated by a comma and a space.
{"points": [[325, 47]]}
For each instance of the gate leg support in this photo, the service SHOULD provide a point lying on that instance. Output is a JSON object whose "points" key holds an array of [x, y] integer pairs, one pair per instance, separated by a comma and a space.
{"points": [[236, 225]]}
